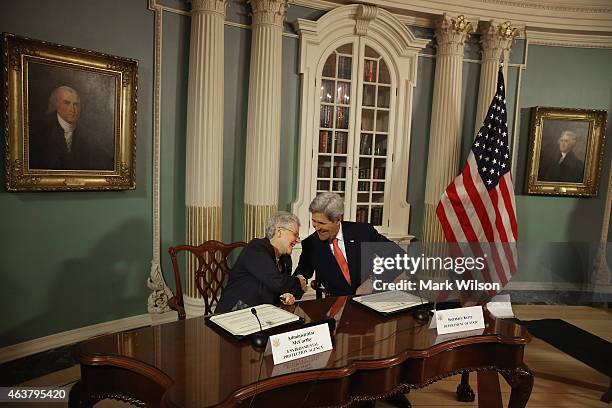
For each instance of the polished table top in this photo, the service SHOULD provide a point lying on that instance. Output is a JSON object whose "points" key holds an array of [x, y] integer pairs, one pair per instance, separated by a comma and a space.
{"points": [[208, 367]]}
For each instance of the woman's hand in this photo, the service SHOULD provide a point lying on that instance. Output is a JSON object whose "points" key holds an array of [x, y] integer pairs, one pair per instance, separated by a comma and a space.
{"points": [[287, 299]]}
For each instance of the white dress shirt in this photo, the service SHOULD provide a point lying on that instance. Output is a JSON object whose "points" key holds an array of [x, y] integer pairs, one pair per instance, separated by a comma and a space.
{"points": [[340, 238]]}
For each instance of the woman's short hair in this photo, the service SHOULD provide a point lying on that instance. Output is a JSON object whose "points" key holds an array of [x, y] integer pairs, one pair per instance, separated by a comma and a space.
{"points": [[330, 204], [280, 219]]}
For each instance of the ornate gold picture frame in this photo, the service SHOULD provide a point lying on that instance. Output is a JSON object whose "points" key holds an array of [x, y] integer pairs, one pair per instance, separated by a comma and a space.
{"points": [[70, 117], [566, 151]]}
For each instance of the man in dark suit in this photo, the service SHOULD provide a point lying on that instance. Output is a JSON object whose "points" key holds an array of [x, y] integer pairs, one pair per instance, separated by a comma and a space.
{"points": [[262, 273], [60, 144], [334, 249], [565, 166]]}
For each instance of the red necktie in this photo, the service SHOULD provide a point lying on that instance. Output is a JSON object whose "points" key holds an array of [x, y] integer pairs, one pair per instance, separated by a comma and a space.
{"points": [[336, 307], [341, 262]]}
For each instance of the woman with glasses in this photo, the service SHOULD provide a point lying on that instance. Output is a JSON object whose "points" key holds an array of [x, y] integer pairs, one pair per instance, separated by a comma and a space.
{"points": [[262, 273]]}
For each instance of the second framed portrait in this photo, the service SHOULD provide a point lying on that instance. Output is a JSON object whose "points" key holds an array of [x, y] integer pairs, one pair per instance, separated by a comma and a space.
{"points": [[71, 116], [566, 151]]}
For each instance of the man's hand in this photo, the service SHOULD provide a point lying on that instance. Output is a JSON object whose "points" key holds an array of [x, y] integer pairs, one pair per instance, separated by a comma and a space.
{"points": [[365, 288], [303, 282], [287, 299]]}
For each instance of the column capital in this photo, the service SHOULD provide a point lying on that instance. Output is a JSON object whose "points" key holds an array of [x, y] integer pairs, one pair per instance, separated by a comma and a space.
{"points": [[270, 12], [451, 34], [496, 39], [203, 6]]}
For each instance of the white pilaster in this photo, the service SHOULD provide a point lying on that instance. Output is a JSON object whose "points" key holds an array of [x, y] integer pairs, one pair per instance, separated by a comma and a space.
{"points": [[496, 40], [264, 116], [204, 167], [445, 129]]}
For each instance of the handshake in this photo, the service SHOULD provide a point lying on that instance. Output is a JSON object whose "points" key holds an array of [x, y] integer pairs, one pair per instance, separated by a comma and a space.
{"points": [[288, 298]]}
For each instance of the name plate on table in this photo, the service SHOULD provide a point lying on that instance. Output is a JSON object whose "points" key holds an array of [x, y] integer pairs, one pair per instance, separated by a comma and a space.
{"points": [[458, 320], [300, 343]]}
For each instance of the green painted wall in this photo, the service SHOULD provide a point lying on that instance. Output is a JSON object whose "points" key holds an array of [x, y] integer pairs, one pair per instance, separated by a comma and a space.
{"points": [[237, 56], [75, 259], [175, 71], [72, 259], [561, 231]]}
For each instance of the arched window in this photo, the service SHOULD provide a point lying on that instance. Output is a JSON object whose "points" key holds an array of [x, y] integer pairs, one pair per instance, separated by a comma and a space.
{"points": [[353, 150], [359, 68]]}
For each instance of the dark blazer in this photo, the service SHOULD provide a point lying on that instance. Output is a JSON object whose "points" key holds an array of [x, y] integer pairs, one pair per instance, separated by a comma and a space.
{"points": [[570, 170], [318, 256], [255, 279], [48, 149]]}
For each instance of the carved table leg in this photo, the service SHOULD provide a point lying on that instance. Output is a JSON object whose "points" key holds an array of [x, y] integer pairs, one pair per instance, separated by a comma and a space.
{"points": [[465, 393], [607, 397], [399, 401], [76, 398], [521, 381]]}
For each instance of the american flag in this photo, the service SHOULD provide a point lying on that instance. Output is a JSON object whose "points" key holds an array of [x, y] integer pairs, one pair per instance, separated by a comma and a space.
{"points": [[478, 206]]}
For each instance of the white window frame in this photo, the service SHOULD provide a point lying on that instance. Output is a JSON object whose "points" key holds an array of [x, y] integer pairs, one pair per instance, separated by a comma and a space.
{"points": [[362, 25]]}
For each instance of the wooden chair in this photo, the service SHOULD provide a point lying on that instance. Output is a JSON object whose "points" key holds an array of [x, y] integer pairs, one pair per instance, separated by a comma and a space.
{"points": [[212, 269]]}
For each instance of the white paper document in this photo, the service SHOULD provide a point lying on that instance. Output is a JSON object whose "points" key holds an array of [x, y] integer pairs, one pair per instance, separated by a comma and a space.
{"points": [[391, 301], [500, 307], [243, 322]]}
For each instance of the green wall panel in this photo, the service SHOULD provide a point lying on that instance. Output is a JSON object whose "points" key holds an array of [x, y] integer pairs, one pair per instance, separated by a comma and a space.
{"points": [[290, 124], [175, 71], [75, 259], [237, 57], [562, 232]]}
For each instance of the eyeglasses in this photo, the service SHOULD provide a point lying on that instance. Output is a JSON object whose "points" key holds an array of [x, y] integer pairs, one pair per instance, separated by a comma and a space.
{"points": [[295, 234]]}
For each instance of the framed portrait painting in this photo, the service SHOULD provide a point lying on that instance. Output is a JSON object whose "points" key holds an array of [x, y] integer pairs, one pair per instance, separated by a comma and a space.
{"points": [[70, 117], [566, 151]]}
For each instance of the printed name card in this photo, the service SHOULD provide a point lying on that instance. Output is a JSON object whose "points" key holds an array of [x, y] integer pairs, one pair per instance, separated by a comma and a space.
{"points": [[300, 343], [458, 320]]}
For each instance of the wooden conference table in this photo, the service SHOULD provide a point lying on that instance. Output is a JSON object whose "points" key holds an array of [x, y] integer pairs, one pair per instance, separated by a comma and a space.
{"points": [[191, 364]]}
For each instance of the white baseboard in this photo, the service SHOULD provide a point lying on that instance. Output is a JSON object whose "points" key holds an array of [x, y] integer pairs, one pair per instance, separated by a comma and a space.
{"points": [[559, 287], [52, 341]]}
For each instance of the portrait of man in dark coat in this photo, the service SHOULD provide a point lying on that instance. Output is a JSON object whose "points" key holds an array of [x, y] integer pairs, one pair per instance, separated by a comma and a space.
{"points": [[60, 142], [563, 165]]}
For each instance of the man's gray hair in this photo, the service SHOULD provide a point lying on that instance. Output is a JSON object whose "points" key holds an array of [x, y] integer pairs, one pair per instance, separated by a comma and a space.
{"points": [[280, 219], [52, 107], [571, 134], [330, 204]]}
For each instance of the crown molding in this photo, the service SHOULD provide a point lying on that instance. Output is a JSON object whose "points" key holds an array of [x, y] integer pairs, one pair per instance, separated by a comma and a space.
{"points": [[569, 39], [582, 15]]}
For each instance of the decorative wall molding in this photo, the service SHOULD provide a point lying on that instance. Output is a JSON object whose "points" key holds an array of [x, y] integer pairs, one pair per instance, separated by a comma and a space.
{"points": [[585, 16], [576, 40], [558, 287], [52, 341], [158, 299]]}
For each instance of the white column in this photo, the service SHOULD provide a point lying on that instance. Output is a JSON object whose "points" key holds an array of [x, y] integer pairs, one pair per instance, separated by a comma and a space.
{"points": [[445, 129], [204, 167], [496, 40], [264, 116]]}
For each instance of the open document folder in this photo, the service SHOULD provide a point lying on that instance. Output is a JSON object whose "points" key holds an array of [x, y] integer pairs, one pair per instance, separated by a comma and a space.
{"points": [[242, 322], [389, 302]]}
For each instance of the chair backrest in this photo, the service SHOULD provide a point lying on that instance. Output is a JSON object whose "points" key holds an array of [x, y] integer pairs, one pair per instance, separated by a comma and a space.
{"points": [[210, 260]]}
